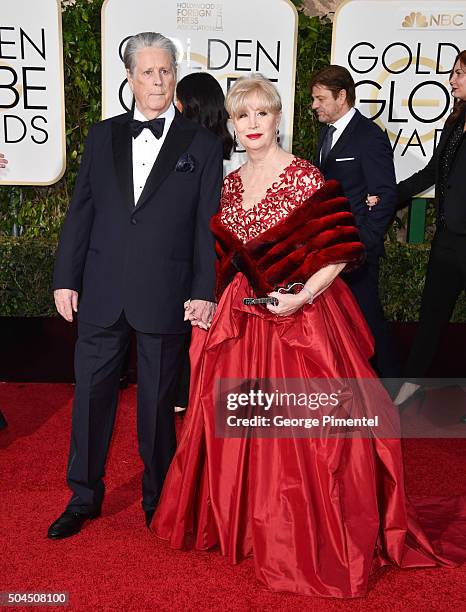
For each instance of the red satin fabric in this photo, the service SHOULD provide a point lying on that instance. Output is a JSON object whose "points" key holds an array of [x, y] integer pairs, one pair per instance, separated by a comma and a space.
{"points": [[317, 515]]}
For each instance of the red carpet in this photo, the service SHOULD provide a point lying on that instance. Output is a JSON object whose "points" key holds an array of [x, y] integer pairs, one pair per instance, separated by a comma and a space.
{"points": [[116, 564]]}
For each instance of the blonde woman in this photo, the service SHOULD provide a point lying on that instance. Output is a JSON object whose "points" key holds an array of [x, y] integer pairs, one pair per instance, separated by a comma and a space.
{"points": [[317, 514]]}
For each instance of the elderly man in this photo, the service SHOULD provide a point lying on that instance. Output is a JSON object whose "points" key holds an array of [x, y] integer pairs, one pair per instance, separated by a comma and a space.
{"points": [[134, 248]]}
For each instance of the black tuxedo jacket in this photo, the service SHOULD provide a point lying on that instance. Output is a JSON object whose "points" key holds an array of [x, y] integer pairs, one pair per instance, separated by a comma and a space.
{"points": [[145, 259], [362, 162], [455, 196]]}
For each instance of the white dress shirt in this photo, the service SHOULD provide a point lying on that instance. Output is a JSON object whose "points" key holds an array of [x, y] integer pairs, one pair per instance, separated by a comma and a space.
{"points": [[146, 148], [340, 125]]}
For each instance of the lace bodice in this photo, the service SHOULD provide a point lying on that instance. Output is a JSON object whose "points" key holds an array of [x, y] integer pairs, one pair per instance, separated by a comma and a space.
{"points": [[299, 180]]}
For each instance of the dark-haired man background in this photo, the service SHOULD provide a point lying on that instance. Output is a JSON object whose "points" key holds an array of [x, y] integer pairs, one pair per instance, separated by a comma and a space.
{"points": [[354, 150]]}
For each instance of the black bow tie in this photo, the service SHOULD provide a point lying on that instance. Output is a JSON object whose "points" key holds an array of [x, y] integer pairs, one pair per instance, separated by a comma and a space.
{"points": [[154, 125]]}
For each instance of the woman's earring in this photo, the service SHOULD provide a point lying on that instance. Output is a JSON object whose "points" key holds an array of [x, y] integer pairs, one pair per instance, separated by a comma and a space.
{"points": [[278, 135]]}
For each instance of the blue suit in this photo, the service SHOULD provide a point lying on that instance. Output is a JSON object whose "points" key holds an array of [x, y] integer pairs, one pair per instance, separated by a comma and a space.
{"points": [[362, 161]]}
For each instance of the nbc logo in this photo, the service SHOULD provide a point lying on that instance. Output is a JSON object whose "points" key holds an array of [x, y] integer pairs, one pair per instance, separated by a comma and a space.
{"points": [[442, 20], [417, 20]]}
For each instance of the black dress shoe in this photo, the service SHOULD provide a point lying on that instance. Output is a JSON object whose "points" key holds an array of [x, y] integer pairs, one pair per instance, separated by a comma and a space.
{"points": [[68, 524], [3, 423], [149, 515]]}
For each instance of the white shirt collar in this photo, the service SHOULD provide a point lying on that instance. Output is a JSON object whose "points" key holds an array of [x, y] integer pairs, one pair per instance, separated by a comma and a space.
{"points": [[146, 150], [168, 115], [341, 123]]}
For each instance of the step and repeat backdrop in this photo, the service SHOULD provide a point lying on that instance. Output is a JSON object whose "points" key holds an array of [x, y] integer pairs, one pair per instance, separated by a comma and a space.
{"points": [[400, 55], [227, 39], [32, 108]]}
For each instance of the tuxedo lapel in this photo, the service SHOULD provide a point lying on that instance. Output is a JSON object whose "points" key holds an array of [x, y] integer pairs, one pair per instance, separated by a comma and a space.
{"points": [[446, 133], [320, 140], [447, 130], [344, 139], [179, 137], [123, 158]]}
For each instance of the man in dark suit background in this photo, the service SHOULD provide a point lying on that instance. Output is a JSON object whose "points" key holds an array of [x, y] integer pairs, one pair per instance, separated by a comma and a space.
{"points": [[135, 247], [353, 150]]}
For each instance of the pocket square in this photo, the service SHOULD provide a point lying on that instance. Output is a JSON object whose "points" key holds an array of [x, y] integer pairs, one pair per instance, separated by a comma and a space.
{"points": [[344, 159], [186, 163]]}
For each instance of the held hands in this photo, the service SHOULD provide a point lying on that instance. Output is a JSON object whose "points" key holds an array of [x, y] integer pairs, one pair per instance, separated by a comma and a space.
{"points": [[66, 302], [372, 200], [199, 312], [288, 303]]}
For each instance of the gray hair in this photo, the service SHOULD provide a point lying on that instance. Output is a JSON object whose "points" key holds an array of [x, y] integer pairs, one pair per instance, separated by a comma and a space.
{"points": [[147, 39]]}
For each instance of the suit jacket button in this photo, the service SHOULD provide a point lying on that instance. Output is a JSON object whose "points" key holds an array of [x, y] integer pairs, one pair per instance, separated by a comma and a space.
{"points": [[133, 221]]}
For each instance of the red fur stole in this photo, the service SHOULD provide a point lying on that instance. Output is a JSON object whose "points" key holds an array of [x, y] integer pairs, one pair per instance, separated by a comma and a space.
{"points": [[319, 232]]}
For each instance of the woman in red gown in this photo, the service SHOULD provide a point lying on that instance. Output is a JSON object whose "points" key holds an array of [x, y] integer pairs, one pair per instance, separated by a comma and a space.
{"points": [[316, 514]]}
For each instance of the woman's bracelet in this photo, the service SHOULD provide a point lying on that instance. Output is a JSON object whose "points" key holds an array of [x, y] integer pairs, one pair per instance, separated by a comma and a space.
{"points": [[311, 297]]}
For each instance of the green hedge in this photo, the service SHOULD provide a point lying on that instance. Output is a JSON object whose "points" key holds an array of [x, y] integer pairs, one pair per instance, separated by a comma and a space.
{"points": [[26, 266], [313, 53]]}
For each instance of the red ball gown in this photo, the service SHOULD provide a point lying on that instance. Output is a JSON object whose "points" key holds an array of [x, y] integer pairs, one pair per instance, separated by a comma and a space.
{"points": [[317, 515]]}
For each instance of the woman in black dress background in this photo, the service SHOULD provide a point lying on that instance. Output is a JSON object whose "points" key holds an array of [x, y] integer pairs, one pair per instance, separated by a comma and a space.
{"points": [[200, 98], [446, 271]]}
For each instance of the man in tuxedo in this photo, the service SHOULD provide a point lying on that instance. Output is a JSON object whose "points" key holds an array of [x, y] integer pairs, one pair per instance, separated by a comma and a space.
{"points": [[135, 247], [353, 150]]}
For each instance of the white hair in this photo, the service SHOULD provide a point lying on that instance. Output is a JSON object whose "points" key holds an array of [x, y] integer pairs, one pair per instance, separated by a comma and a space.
{"points": [[147, 39]]}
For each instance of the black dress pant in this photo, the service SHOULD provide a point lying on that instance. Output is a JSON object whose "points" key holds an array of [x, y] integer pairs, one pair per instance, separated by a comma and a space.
{"points": [[98, 360], [445, 280], [364, 284], [184, 378]]}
